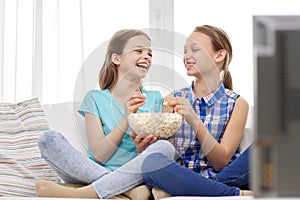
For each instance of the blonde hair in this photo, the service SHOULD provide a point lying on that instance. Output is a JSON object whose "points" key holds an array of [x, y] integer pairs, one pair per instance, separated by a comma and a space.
{"points": [[109, 72], [220, 40]]}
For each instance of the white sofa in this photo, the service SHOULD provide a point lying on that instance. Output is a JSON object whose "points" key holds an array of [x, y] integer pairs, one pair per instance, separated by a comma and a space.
{"points": [[63, 117]]}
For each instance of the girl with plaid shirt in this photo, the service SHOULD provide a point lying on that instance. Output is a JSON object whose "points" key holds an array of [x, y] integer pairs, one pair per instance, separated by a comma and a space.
{"points": [[208, 141]]}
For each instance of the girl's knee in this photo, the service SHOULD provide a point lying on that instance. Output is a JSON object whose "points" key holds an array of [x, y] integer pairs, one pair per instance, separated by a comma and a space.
{"points": [[164, 147], [155, 163], [47, 139], [151, 162]]}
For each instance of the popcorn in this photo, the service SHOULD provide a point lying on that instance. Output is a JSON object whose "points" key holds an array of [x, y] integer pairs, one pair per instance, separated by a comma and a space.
{"points": [[163, 125]]}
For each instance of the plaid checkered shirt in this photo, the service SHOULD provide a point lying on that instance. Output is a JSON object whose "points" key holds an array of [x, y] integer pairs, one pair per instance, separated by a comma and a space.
{"points": [[214, 110]]}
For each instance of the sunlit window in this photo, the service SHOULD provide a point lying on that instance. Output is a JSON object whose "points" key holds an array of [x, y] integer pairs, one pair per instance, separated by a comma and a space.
{"points": [[64, 33]]}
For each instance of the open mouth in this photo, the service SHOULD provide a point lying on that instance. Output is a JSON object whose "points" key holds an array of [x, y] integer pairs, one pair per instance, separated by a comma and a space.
{"points": [[142, 66]]}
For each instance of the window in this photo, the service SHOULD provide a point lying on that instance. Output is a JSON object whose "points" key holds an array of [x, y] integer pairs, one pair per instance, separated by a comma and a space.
{"points": [[45, 43]]}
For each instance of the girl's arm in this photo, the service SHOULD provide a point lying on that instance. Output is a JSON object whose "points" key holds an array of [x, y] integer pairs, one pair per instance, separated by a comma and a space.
{"points": [[218, 154], [102, 146]]}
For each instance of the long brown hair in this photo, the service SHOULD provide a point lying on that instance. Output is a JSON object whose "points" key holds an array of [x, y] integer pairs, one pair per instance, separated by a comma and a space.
{"points": [[220, 40], [109, 73]]}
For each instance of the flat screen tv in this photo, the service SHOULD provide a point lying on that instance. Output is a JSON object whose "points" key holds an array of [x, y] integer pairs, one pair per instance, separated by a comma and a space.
{"points": [[276, 149]]}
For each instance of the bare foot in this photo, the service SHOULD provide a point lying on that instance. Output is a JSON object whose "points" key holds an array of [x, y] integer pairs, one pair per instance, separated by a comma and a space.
{"points": [[138, 193], [246, 193], [159, 194], [50, 189]]}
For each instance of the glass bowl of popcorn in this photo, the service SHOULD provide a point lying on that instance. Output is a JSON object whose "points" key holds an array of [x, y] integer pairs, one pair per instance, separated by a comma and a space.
{"points": [[163, 125]]}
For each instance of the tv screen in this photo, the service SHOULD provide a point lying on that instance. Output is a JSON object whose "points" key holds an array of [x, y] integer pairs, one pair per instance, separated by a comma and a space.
{"points": [[276, 148]]}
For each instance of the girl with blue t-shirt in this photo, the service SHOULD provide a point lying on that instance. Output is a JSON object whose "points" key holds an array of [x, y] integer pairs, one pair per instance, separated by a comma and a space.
{"points": [[115, 156]]}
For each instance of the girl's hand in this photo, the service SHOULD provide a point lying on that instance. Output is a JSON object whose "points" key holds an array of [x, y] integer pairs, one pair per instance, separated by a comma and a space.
{"points": [[172, 140], [142, 143], [136, 100], [184, 107]]}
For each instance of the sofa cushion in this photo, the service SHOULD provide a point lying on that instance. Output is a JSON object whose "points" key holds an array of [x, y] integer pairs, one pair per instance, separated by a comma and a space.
{"points": [[20, 161]]}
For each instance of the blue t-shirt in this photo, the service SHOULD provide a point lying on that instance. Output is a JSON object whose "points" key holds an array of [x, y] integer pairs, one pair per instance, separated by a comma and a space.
{"points": [[102, 104]]}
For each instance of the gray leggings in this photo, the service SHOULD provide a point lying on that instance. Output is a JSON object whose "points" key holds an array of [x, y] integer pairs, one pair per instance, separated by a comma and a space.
{"points": [[74, 167]]}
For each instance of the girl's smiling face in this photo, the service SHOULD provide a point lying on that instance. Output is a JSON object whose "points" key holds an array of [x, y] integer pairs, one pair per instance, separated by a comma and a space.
{"points": [[136, 58], [199, 55]]}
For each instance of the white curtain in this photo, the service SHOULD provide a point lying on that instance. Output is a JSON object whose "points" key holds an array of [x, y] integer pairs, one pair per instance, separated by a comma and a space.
{"points": [[41, 42], [44, 43], [13, 65]]}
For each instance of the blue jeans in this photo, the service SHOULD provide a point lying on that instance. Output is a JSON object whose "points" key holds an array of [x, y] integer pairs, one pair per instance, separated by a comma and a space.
{"points": [[165, 174], [237, 173], [74, 167]]}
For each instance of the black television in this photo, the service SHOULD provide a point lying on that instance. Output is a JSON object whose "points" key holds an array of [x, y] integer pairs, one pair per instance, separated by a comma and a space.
{"points": [[275, 159]]}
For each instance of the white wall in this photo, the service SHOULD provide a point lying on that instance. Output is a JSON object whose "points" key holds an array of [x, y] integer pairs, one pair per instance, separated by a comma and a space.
{"points": [[235, 17]]}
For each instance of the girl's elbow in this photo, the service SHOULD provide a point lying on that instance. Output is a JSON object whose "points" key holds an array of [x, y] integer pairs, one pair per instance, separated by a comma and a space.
{"points": [[220, 165], [99, 157]]}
